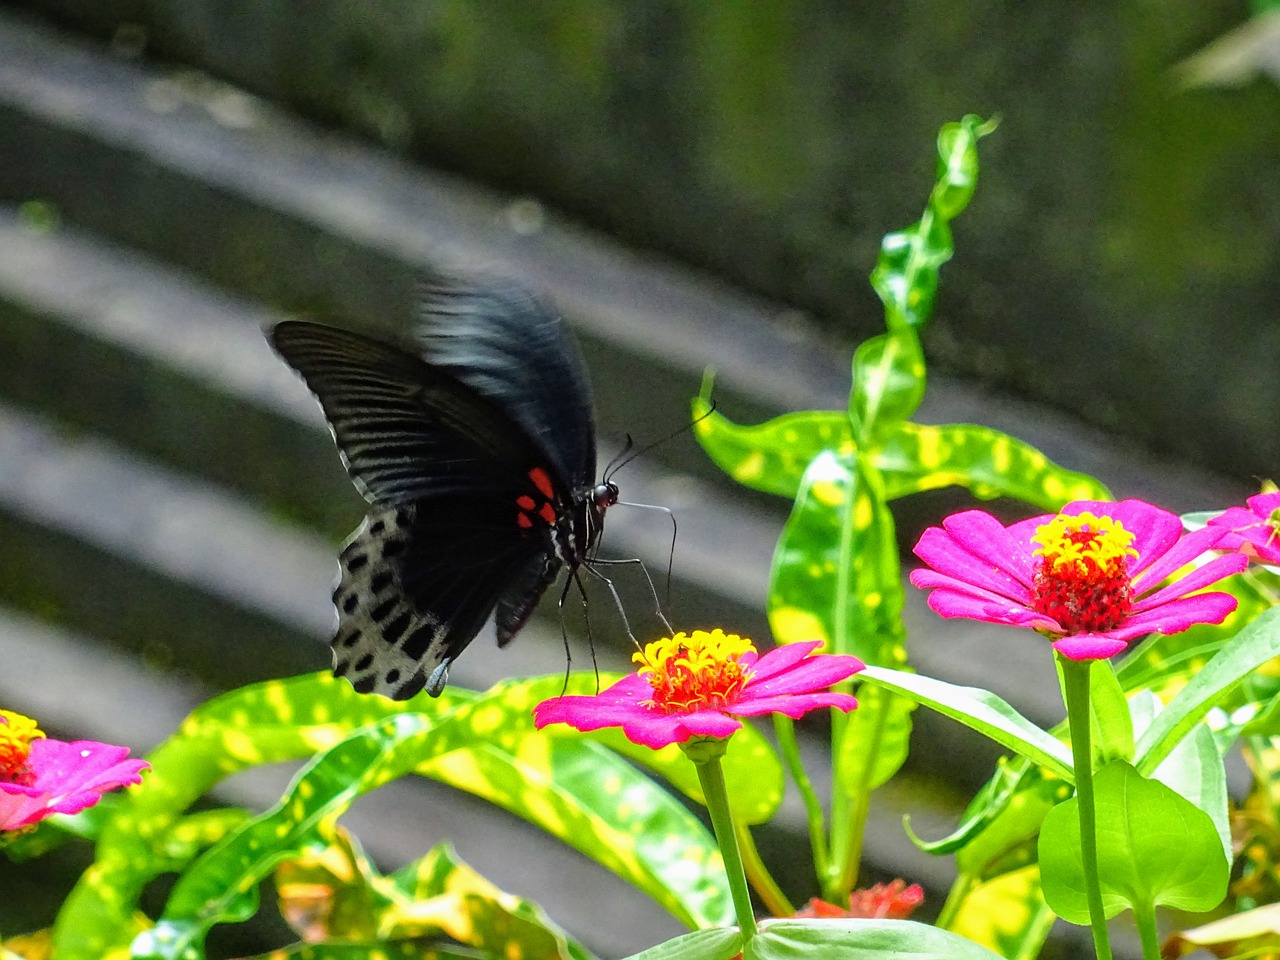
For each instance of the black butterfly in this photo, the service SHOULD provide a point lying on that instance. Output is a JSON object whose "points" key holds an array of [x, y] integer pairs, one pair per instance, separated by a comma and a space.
{"points": [[476, 452]]}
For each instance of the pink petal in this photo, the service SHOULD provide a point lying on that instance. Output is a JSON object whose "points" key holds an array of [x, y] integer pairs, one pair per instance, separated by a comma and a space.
{"points": [[1178, 615], [809, 675], [927, 579], [1089, 646], [78, 773], [986, 538], [1199, 578], [658, 730], [783, 658], [1183, 552], [20, 806], [792, 705], [983, 566], [950, 604], [1263, 503]]}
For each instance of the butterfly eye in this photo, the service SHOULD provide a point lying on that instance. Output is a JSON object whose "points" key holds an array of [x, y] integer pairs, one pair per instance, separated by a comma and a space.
{"points": [[605, 494]]}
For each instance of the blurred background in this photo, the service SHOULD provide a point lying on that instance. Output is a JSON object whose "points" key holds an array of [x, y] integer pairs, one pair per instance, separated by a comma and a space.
{"points": [[694, 184]]}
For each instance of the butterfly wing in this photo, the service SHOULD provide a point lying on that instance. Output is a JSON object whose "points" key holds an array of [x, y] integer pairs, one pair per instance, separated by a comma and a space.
{"points": [[417, 583], [405, 429], [469, 455], [512, 347]]}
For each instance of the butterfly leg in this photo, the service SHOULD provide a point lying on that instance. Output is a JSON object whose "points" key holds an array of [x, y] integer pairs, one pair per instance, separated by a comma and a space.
{"points": [[653, 591]]}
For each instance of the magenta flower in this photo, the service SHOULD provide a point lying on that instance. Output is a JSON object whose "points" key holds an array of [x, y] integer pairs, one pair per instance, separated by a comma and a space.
{"points": [[40, 777], [1089, 577], [1255, 530], [698, 685]]}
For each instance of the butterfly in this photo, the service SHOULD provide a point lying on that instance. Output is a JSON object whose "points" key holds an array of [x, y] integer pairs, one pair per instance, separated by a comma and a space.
{"points": [[475, 449]]}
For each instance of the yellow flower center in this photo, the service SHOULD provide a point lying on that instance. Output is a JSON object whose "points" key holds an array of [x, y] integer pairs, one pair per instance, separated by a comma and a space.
{"points": [[1082, 580], [16, 734], [697, 671]]}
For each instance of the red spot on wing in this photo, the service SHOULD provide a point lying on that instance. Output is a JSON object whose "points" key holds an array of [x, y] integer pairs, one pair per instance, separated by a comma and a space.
{"points": [[542, 481], [524, 521], [525, 503], [548, 513]]}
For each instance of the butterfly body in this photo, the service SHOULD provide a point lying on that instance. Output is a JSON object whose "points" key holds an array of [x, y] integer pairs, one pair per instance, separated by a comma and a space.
{"points": [[475, 448]]}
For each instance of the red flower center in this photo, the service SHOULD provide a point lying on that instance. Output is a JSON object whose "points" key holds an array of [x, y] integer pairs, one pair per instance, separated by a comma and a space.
{"points": [[1082, 580], [698, 671], [16, 734]]}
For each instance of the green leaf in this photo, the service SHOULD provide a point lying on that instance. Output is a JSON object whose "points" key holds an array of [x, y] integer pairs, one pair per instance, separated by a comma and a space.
{"points": [[718, 944], [584, 794], [772, 456], [264, 723], [875, 741], [1195, 772], [441, 893], [1154, 848], [836, 572], [1006, 913], [859, 939], [888, 384], [980, 710], [753, 774], [1008, 841], [906, 273], [1249, 649], [222, 886], [1110, 723], [988, 463], [987, 804]]}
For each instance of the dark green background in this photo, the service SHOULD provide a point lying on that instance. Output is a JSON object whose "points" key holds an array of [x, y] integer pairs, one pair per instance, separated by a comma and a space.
{"points": [[1120, 259]]}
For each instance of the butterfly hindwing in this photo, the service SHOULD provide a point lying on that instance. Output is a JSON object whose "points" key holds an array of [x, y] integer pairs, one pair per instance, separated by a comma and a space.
{"points": [[406, 610]]}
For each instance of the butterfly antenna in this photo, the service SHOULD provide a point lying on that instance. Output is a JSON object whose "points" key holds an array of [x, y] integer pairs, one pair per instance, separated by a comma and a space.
{"points": [[627, 454], [619, 459]]}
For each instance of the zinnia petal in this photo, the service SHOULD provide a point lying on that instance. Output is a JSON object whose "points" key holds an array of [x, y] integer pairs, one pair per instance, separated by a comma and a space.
{"points": [[793, 705], [1089, 646], [1203, 575], [1183, 552]]}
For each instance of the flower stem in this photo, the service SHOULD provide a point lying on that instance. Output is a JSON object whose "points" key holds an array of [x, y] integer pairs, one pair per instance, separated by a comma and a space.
{"points": [[711, 776], [1075, 676], [784, 729], [1146, 921]]}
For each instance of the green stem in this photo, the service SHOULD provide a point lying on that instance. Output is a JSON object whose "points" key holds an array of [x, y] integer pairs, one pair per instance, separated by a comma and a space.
{"points": [[1146, 921], [759, 877], [959, 890], [785, 730], [1075, 676], [711, 776]]}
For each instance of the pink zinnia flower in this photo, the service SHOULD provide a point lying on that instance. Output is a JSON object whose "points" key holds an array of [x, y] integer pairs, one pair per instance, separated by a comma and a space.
{"points": [[1255, 530], [39, 776], [1088, 577], [696, 685]]}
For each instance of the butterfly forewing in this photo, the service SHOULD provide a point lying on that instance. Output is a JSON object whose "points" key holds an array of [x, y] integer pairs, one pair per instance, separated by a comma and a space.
{"points": [[512, 347], [405, 429]]}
